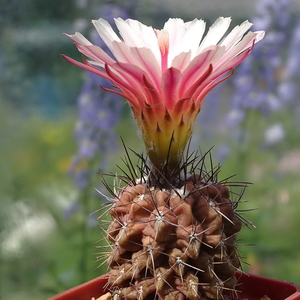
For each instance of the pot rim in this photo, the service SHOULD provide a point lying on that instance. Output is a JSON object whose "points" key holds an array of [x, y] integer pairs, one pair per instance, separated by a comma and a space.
{"points": [[249, 286]]}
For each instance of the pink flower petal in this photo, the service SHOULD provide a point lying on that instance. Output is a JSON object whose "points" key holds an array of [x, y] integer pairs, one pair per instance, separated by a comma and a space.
{"points": [[203, 90], [163, 44], [126, 78], [170, 83], [182, 60], [230, 64], [145, 60], [154, 104], [97, 54], [134, 76], [199, 82], [87, 67], [199, 65], [141, 57]]}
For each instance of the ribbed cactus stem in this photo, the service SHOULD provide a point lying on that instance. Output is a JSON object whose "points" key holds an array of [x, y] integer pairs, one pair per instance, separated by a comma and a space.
{"points": [[175, 243]]}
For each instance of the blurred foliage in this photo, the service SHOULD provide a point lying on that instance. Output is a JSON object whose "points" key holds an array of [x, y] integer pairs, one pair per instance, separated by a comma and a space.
{"points": [[46, 230]]}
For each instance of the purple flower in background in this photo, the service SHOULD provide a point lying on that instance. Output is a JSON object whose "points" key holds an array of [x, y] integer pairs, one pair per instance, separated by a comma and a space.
{"points": [[289, 87], [258, 83], [98, 114], [255, 85]]}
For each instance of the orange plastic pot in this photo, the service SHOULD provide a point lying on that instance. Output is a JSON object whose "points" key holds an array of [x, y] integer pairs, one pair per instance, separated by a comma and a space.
{"points": [[251, 287]]}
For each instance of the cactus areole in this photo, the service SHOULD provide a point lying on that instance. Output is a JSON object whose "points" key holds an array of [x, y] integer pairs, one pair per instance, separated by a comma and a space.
{"points": [[174, 224]]}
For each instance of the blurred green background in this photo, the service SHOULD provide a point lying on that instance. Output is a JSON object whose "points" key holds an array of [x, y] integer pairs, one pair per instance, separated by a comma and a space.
{"points": [[46, 237]]}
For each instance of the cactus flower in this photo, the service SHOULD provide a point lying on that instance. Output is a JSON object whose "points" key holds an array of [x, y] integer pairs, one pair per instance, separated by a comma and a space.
{"points": [[165, 74]]}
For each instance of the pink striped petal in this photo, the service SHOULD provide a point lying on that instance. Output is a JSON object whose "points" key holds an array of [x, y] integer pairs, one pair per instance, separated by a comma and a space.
{"points": [[181, 106], [127, 77], [134, 76], [199, 65], [182, 60], [200, 81], [86, 66], [204, 89], [97, 54], [242, 46], [163, 44], [145, 60], [230, 64], [141, 57], [170, 83]]}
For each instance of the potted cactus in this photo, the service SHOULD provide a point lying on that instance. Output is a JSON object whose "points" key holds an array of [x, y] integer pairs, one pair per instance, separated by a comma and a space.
{"points": [[174, 223]]}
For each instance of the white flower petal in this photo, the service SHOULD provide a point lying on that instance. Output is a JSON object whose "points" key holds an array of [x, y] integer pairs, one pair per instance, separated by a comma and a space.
{"points": [[144, 59], [106, 33], [79, 38], [193, 35], [122, 52], [215, 33], [259, 35], [136, 34], [176, 31], [236, 34], [149, 38], [130, 33], [146, 33]]}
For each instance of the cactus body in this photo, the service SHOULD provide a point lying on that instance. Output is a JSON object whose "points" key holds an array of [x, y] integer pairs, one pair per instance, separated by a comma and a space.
{"points": [[176, 243]]}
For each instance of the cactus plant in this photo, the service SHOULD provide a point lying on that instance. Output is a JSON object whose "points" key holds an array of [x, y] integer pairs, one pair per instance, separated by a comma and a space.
{"points": [[174, 224], [176, 240]]}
